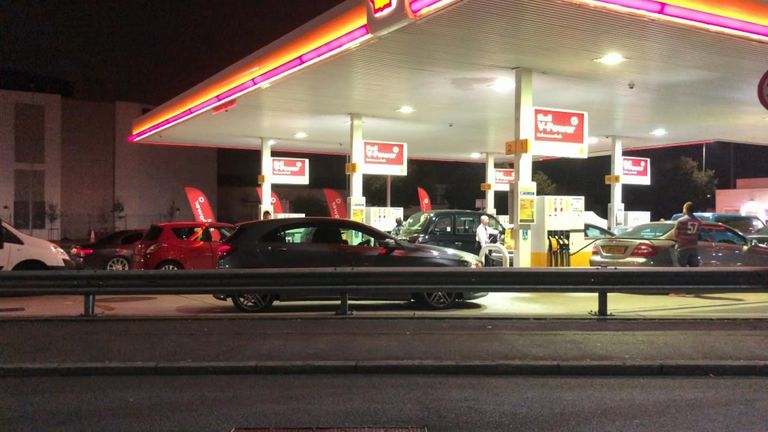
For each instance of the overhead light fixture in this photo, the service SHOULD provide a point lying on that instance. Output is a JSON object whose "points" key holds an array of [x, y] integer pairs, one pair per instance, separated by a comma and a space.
{"points": [[502, 85], [405, 109], [300, 135], [475, 155], [610, 59], [659, 132], [593, 140], [271, 142]]}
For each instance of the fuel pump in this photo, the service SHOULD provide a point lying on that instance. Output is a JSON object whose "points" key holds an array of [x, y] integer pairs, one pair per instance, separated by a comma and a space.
{"points": [[558, 232]]}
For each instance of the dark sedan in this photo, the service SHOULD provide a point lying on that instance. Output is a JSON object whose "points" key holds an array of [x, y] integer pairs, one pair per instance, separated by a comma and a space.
{"points": [[652, 245], [113, 252], [326, 242]]}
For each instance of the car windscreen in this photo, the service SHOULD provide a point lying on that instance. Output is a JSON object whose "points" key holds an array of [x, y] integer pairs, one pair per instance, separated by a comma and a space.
{"points": [[745, 224], [415, 224], [648, 231]]}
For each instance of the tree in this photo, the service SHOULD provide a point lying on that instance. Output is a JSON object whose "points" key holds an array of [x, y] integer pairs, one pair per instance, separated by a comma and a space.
{"points": [[683, 181], [544, 184]]}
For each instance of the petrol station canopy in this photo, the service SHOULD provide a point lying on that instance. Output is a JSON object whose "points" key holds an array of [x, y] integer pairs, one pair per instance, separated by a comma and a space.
{"points": [[692, 68]]}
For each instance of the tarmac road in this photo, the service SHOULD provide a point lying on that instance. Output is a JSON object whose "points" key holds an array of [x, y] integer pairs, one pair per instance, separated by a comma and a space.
{"points": [[440, 402]]}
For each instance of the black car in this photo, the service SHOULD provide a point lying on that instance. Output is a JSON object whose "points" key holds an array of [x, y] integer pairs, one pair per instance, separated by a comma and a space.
{"points": [[113, 252], [326, 242], [455, 229]]}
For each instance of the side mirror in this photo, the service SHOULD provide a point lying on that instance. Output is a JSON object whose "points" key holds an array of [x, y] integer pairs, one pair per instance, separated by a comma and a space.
{"points": [[390, 244]]}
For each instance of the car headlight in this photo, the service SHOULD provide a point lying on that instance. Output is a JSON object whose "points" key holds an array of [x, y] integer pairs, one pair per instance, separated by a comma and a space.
{"points": [[59, 252]]}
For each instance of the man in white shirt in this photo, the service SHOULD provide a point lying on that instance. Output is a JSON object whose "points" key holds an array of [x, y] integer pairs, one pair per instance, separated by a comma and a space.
{"points": [[483, 235]]}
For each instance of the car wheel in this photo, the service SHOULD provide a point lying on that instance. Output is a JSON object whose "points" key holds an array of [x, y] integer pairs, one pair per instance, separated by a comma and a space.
{"points": [[252, 302], [31, 265], [169, 265], [118, 263], [437, 299]]}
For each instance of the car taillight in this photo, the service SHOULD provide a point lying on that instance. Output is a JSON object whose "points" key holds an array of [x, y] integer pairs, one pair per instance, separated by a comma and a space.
{"points": [[81, 252], [595, 250], [644, 250], [223, 251], [152, 248]]}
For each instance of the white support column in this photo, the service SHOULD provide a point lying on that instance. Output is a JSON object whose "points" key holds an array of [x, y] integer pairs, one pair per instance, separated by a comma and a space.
{"points": [[616, 207], [523, 163], [490, 178], [356, 201], [266, 173]]}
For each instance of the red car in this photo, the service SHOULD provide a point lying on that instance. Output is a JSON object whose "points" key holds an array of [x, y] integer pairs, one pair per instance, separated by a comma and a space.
{"points": [[180, 245]]}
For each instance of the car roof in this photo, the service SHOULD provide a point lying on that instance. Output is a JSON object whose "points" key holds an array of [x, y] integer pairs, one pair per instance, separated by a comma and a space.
{"points": [[193, 224], [269, 224], [710, 215]]}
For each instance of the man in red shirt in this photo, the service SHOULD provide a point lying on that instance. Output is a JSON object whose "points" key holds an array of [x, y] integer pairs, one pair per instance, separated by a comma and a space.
{"points": [[687, 237]]}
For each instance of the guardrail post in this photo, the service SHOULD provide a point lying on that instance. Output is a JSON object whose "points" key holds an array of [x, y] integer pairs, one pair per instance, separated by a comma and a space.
{"points": [[89, 308], [602, 303], [344, 305]]}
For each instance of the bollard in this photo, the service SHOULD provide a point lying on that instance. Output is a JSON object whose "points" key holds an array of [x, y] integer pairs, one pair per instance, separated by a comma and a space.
{"points": [[344, 305], [90, 305], [602, 303]]}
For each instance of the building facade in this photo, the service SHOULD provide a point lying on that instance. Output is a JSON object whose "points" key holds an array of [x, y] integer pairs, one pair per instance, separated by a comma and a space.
{"points": [[66, 168]]}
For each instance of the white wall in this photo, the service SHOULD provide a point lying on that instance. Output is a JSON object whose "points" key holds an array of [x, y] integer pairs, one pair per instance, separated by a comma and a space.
{"points": [[148, 178], [52, 165]]}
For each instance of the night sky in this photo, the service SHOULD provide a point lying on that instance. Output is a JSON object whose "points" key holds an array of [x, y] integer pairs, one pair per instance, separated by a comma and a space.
{"points": [[151, 51], [141, 51]]}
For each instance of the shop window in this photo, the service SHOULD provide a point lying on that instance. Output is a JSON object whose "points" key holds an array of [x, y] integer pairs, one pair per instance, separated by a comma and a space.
{"points": [[29, 133]]}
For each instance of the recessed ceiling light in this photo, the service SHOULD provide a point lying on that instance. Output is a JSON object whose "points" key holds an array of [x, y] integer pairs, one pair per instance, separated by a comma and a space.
{"points": [[610, 59], [300, 135], [271, 142], [475, 155], [502, 85], [593, 140], [659, 132], [405, 109]]}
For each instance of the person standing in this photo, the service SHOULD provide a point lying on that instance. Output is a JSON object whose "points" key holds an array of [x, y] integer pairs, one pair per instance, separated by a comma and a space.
{"points": [[687, 238], [483, 236], [398, 229]]}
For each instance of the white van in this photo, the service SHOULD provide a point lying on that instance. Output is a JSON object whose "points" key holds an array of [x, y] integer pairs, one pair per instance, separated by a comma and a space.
{"points": [[21, 252]]}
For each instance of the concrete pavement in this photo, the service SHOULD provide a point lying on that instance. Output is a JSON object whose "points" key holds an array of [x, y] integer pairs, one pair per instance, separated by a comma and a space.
{"points": [[244, 345]]}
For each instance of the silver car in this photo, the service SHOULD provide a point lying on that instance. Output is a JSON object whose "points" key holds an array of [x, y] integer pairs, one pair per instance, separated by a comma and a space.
{"points": [[653, 245]]}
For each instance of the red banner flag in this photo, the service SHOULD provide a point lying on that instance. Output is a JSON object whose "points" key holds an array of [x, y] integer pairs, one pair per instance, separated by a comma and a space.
{"points": [[424, 202], [277, 206], [336, 206], [201, 207]]}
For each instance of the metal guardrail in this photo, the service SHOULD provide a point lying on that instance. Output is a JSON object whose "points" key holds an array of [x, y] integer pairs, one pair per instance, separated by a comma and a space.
{"points": [[398, 280]]}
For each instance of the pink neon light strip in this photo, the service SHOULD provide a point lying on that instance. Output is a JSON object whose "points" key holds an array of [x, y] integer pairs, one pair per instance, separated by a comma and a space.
{"points": [[672, 11], [284, 68], [419, 5]]}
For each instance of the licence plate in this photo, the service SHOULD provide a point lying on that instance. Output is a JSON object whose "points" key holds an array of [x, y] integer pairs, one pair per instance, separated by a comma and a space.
{"points": [[614, 250]]}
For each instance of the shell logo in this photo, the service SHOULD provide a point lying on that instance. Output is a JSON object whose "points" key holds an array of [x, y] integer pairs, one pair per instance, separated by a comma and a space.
{"points": [[381, 7]]}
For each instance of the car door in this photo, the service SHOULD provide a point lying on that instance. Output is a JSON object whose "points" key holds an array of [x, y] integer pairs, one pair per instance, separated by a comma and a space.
{"points": [[442, 233], [364, 248], [465, 229], [193, 246], [722, 246], [216, 235], [307, 244], [4, 249]]}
